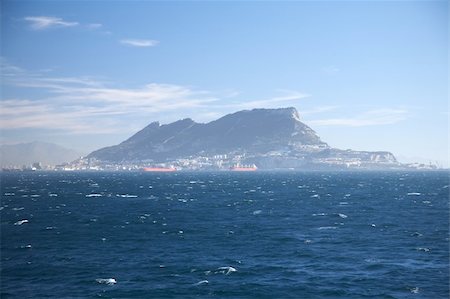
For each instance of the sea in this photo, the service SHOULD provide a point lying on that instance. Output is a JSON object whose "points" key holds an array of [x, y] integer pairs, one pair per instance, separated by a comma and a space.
{"points": [[225, 234]]}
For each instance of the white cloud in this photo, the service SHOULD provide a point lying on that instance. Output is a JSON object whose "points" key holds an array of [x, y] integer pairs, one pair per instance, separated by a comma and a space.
{"points": [[94, 26], [89, 105], [139, 42], [97, 27], [317, 110], [289, 97], [386, 116], [43, 22], [84, 104]]}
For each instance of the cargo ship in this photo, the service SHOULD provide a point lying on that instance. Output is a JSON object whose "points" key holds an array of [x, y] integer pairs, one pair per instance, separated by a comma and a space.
{"points": [[238, 167], [159, 169]]}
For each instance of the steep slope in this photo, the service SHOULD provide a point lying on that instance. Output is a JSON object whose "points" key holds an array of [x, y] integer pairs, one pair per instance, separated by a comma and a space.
{"points": [[259, 130], [256, 131]]}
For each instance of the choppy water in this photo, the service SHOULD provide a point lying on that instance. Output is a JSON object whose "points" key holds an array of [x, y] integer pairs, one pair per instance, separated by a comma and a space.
{"points": [[234, 235]]}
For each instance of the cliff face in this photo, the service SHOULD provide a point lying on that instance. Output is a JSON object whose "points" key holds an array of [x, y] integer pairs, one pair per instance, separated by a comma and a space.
{"points": [[255, 131], [270, 138]]}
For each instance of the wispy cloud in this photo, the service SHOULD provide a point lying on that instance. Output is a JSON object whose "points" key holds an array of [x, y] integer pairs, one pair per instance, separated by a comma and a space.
{"points": [[97, 27], [87, 105], [19, 114], [317, 110], [385, 116], [288, 97], [44, 22], [94, 26], [139, 42]]}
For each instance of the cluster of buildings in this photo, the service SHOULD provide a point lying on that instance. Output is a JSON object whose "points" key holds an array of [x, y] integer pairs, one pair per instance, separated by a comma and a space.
{"points": [[270, 161], [216, 162]]}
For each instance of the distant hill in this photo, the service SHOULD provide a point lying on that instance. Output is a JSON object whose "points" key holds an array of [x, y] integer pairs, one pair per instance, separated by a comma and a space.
{"points": [[28, 153], [269, 138]]}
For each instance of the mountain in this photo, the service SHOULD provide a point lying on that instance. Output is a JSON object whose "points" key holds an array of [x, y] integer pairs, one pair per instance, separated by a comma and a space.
{"points": [[28, 153], [255, 131], [269, 138]]}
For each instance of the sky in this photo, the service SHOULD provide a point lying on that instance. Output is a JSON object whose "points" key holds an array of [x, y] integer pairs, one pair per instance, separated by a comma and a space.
{"points": [[365, 75]]}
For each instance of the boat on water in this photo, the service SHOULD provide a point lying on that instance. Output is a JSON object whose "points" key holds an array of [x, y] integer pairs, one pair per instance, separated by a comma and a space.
{"points": [[159, 169], [239, 167]]}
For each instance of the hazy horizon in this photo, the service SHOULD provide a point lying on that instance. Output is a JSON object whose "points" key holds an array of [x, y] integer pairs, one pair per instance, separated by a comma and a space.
{"points": [[364, 75]]}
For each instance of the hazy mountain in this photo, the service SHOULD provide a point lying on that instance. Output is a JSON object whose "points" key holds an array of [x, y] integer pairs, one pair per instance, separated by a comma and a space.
{"points": [[271, 138], [28, 153], [255, 131]]}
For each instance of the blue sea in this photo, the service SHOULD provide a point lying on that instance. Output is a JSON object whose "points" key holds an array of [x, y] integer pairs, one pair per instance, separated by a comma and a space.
{"points": [[225, 235]]}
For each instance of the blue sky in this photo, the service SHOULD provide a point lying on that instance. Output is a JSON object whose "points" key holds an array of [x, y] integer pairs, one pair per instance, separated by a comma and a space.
{"points": [[370, 75]]}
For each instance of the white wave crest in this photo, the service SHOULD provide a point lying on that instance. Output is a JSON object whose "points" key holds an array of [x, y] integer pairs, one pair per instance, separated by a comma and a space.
{"points": [[126, 195], [201, 282], [94, 195], [226, 270], [20, 222], [320, 214], [326, 227], [108, 281]]}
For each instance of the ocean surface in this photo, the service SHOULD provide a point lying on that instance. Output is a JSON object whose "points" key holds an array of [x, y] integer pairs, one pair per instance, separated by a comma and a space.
{"points": [[225, 235]]}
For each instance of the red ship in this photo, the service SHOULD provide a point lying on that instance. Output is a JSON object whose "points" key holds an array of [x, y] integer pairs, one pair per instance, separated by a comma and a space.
{"points": [[244, 167]]}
